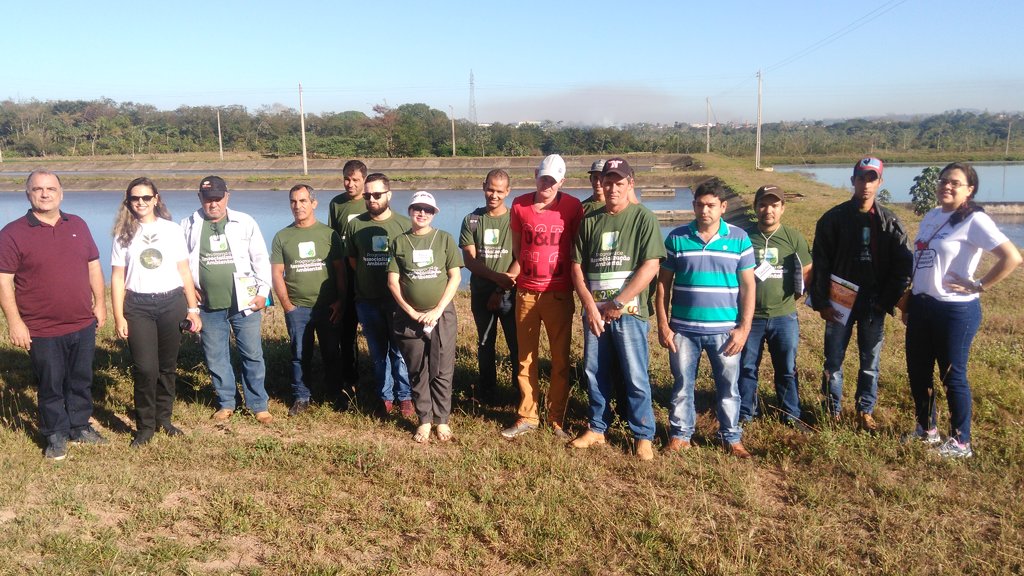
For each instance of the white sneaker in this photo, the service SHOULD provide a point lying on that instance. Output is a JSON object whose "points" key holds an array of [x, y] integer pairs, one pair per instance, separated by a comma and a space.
{"points": [[954, 449], [929, 437]]}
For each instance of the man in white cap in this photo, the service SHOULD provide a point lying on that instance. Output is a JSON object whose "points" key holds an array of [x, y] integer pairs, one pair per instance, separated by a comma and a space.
{"points": [[544, 224]]}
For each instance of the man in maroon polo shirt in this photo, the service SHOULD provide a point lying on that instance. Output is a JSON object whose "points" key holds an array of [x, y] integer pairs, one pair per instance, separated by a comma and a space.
{"points": [[51, 291]]}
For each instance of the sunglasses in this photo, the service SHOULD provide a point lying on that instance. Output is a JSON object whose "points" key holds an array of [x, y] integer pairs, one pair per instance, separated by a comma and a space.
{"points": [[144, 199], [426, 209], [374, 195]]}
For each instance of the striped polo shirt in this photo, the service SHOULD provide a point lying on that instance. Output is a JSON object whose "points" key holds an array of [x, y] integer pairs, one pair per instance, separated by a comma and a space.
{"points": [[706, 288]]}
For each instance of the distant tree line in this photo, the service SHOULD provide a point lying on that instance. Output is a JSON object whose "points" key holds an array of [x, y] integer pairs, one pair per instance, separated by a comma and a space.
{"points": [[101, 127]]}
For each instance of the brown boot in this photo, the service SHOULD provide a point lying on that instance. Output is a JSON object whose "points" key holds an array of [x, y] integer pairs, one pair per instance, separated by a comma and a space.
{"points": [[644, 450], [675, 445], [588, 439], [739, 451]]}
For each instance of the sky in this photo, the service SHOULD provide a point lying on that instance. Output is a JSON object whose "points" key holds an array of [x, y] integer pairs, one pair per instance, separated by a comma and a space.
{"points": [[595, 63]]}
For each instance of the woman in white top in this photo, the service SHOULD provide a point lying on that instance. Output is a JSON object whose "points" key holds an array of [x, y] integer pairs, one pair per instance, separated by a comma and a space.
{"points": [[153, 299], [944, 310]]}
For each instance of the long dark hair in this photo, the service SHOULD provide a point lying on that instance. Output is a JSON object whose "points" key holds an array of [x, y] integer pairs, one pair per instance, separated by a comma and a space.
{"points": [[126, 224], [970, 206]]}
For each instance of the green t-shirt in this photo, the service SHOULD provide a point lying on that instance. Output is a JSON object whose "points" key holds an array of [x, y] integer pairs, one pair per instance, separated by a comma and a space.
{"points": [[368, 241], [308, 255], [609, 248], [787, 251], [493, 243], [422, 264], [342, 210], [591, 205], [216, 266]]}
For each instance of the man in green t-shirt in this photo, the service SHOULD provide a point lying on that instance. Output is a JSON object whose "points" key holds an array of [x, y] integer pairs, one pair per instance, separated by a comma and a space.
{"points": [[343, 208], [366, 244], [487, 251], [302, 257], [615, 257], [596, 200], [783, 266]]}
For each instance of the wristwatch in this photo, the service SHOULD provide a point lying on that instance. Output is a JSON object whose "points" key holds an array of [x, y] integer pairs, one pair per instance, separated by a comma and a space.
{"points": [[618, 305]]}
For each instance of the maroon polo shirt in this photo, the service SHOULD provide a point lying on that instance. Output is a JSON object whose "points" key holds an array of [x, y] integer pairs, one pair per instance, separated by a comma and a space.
{"points": [[51, 272]]}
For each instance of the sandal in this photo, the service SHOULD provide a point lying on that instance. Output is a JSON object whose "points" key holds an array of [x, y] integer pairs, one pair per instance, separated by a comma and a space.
{"points": [[444, 432], [422, 435]]}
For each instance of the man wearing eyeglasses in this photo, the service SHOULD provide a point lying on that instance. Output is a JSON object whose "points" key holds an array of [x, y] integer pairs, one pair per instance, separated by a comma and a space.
{"points": [[231, 269], [366, 240], [861, 267], [51, 291]]}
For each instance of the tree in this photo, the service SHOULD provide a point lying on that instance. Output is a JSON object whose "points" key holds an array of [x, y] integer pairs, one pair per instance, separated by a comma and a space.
{"points": [[922, 193]]}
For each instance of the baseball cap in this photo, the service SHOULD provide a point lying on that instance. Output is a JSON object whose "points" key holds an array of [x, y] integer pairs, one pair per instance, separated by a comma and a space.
{"points": [[869, 164], [552, 166], [213, 187], [617, 166], [769, 190], [424, 198], [597, 166]]}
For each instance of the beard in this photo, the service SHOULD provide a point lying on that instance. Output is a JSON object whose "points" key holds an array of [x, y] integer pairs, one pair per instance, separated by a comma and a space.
{"points": [[382, 206]]}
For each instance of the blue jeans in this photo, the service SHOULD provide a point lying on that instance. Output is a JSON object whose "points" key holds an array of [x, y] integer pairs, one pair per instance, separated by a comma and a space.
{"points": [[726, 372], [390, 374], [63, 370], [624, 339], [782, 334], [303, 325], [487, 325], [941, 332], [870, 333], [217, 328]]}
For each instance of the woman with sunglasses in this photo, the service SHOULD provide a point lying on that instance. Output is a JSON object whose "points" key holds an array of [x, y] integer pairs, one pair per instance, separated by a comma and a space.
{"points": [[944, 310], [151, 293], [423, 276]]}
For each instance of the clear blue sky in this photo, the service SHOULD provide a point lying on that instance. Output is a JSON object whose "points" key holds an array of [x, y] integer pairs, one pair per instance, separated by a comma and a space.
{"points": [[594, 62]]}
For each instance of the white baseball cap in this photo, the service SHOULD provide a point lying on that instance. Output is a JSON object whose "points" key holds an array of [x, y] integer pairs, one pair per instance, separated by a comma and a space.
{"points": [[424, 198], [553, 166]]}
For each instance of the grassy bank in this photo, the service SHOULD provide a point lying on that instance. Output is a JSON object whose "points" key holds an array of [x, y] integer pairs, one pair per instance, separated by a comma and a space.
{"points": [[349, 493]]}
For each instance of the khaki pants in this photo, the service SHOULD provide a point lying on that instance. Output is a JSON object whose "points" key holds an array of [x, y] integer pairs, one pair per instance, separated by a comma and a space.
{"points": [[555, 310]]}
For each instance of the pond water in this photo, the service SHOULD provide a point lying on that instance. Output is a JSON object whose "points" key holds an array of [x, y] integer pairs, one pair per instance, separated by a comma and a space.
{"points": [[270, 209]]}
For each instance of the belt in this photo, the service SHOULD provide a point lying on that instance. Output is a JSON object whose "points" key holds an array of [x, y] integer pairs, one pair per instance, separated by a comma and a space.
{"points": [[154, 296]]}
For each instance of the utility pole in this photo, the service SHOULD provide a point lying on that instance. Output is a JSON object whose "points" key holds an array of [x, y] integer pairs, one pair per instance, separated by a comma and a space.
{"points": [[220, 139], [452, 113], [757, 152], [707, 136], [302, 128], [1007, 153]]}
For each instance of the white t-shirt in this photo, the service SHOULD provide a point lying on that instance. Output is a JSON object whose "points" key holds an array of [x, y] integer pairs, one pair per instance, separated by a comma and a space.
{"points": [[151, 260], [941, 248]]}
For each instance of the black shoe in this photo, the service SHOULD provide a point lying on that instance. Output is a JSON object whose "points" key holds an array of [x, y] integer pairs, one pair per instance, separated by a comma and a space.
{"points": [[56, 447], [87, 435], [141, 438], [298, 407], [171, 429]]}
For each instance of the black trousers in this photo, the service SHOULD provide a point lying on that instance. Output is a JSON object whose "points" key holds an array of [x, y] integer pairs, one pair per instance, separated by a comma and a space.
{"points": [[154, 340]]}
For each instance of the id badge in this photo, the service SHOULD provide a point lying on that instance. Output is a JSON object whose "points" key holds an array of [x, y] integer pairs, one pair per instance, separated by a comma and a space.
{"points": [[764, 270], [422, 257], [218, 243]]}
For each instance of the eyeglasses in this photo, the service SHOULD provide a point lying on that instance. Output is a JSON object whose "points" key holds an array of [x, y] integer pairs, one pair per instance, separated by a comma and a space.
{"points": [[144, 199], [953, 183], [374, 195], [426, 209]]}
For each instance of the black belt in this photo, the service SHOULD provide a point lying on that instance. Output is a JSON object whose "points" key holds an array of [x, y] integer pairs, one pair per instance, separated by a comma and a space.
{"points": [[154, 296]]}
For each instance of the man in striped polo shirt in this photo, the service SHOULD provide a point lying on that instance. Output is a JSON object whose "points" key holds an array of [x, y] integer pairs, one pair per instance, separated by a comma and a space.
{"points": [[706, 302]]}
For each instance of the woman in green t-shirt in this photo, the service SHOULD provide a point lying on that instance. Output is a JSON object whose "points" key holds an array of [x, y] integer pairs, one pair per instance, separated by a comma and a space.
{"points": [[423, 276]]}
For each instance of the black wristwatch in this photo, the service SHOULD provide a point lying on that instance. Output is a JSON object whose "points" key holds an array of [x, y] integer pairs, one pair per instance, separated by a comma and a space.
{"points": [[618, 305]]}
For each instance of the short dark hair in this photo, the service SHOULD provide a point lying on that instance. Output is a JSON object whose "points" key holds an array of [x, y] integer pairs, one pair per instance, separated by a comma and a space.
{"points": [[969, 172], [297, 187], [352, 166], [712, 187], [497, 174], [42, 172], [379, 176]]}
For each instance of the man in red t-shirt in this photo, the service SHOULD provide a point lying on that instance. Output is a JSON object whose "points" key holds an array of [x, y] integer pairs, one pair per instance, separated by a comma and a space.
{"points": [[544, 225]]}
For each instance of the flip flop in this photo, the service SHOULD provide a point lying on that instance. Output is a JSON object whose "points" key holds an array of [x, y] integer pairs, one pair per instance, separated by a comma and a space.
{"points": [[422, 435], [444, 433]]}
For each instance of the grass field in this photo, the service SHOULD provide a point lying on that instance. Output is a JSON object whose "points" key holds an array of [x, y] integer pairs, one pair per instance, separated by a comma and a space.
{"points": [[349, 493]]}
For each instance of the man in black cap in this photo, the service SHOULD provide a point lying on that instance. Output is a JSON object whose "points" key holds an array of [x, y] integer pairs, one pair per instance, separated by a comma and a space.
{"points": [[783, 263], [231, 269]]}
